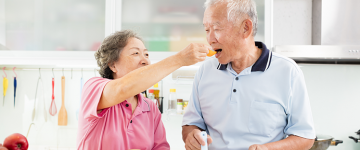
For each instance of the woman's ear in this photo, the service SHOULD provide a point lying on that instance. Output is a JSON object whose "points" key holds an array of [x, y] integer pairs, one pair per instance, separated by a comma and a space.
{"points": [[112, 67]]}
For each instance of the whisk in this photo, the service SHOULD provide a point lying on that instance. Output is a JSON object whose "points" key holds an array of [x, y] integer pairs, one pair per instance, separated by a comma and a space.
{"points": [[53, 109]]}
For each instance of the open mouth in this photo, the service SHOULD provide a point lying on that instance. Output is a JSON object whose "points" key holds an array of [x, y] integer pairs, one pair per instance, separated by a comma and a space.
{"points": [[218, 50]]}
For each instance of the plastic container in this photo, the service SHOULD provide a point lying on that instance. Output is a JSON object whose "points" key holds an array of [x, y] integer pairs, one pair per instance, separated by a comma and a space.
{"points": [[172, 102], [152, 96], [179, 108]]}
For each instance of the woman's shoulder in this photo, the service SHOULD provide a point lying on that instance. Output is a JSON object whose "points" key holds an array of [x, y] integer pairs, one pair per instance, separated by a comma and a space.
{"points": [[95, 81]]}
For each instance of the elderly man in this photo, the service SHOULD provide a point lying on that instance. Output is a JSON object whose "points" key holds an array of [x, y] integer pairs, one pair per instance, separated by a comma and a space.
{"points": [[249, 98]]}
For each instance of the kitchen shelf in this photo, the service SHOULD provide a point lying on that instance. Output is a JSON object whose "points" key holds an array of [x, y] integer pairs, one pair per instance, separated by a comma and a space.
{"points": [[65, 59]]}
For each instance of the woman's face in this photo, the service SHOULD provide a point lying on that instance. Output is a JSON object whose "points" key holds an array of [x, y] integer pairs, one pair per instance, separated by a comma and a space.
{"points": [[133, 56]]}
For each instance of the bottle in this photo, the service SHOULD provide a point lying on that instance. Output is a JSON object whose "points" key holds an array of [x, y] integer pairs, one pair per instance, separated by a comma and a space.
{"points": [[185, 104], [179, 108], [172, 102], [151, 96]]}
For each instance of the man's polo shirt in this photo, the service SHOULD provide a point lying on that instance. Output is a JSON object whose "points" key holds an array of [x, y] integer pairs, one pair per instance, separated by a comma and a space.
{"points": [[264, 103]]}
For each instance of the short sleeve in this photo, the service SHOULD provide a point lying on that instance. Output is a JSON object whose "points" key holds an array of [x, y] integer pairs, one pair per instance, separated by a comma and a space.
{"points": [[299, 117], [193, 114], [91, 95]]}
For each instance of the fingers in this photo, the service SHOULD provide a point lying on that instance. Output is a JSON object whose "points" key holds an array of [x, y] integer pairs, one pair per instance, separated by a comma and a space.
{"points": [[190, 147], [203, 50], [253, 147], [199, 138], [209, 139], [192, 141], [194, 145]]}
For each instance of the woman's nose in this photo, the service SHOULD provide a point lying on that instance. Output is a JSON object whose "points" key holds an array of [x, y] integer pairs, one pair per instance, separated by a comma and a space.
{"points": [[145, 60]]}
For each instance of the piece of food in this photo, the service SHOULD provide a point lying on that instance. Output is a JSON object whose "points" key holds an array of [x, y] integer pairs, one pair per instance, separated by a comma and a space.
{"points": [[211, 53]]}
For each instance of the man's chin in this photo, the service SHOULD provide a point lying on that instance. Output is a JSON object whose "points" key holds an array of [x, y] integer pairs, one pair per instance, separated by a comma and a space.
{"points": [[222, 61]]}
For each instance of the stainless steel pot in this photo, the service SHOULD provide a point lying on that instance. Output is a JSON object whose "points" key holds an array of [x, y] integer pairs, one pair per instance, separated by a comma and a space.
{"points": [[322, 142]]}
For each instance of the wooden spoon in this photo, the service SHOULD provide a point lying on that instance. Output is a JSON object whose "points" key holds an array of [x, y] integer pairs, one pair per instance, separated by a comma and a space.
{"points": [[62, 119]]}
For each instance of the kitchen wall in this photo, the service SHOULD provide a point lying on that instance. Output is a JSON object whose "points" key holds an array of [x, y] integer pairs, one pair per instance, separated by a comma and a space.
{"points": [[2, 22], [292, 22], [334, 92]]}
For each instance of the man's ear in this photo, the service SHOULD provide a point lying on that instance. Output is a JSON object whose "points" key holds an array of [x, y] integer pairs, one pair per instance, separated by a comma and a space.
{"points": [[246, 28]]}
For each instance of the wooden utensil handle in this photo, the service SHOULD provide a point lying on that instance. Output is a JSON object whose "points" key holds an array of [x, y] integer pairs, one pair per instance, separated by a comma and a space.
{"points": [[63, 90]]}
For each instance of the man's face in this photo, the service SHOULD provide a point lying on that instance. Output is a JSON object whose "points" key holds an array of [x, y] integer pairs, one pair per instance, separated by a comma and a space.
{"points": [[222, 35]]}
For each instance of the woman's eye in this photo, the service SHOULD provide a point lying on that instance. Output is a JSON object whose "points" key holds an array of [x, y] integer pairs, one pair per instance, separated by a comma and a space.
{"points": [[136, 53], [146, 54]]}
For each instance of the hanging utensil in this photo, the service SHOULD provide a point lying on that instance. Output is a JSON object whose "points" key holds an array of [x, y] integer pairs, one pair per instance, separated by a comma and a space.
{"points": [[15, 85], [81, 86], [37, 86], [5, 85], [62, 118], [36, 91], [53, 109]]}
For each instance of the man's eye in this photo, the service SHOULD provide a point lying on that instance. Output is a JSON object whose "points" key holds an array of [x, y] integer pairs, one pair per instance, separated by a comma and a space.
{"points": [[146, 54], [136, 53]]}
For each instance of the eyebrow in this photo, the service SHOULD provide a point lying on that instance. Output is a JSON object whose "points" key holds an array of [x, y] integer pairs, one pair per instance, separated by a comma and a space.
{"points": [[214, 24], [138, 48]]}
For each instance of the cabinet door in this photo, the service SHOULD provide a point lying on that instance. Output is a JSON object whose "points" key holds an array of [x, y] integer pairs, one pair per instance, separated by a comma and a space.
{"points": [[52, 25], [170, 25]]}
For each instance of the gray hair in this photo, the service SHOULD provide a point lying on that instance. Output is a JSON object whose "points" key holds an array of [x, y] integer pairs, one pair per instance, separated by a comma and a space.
{"points": [[236, 10], [110, 49]]}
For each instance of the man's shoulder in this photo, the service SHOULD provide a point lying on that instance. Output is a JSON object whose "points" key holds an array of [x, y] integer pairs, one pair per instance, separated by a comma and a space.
{"points": [[283, 61]]}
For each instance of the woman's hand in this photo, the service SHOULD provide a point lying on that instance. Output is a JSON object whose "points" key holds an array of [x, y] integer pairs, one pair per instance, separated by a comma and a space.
{"points": [[192, 54]]}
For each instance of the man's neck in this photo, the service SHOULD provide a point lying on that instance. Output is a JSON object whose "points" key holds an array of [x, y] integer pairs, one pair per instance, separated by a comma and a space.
{"points": [[247, 60]]}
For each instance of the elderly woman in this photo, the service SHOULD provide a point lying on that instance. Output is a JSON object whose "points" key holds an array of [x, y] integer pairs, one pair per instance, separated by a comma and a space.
{"points": [[113, 114]]}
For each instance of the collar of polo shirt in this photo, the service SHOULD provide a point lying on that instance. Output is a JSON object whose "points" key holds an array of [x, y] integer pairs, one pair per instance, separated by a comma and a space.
{"points": [[144, 105], [262, 64]]}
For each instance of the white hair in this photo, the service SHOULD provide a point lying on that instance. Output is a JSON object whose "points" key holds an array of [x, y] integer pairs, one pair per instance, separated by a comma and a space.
{"points": [[236, 10]]}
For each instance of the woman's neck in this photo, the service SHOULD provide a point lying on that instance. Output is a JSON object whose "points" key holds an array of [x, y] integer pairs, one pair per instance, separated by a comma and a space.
{"points": [[134, 102]]}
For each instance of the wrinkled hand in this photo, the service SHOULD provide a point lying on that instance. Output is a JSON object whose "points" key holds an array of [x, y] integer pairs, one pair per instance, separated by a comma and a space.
{"points": [[258, 147], [2, 147], [193, 53], [194, 139]]}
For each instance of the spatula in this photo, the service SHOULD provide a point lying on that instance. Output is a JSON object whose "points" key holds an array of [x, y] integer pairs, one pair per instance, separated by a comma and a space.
{"points": [[62, 120]]}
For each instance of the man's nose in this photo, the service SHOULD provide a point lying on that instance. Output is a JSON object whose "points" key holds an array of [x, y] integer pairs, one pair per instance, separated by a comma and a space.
{"points": [[211, 37]]}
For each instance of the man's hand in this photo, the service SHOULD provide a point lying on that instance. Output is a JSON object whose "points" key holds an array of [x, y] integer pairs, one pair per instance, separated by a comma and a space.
{"points": [[258, 147], [194, 140]]}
